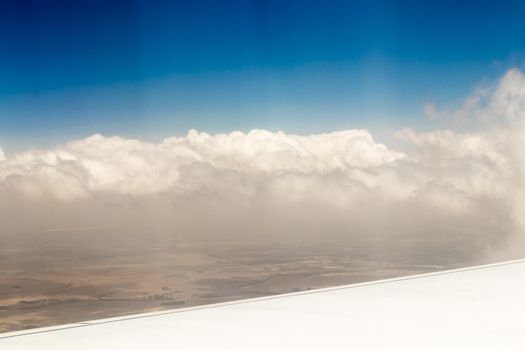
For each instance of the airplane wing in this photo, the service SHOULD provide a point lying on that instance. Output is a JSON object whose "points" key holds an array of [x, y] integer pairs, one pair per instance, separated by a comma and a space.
{"points": [[473, 308]]}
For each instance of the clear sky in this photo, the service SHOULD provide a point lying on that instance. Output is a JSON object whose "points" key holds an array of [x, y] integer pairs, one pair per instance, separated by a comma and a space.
{"points": [[150, 69]]}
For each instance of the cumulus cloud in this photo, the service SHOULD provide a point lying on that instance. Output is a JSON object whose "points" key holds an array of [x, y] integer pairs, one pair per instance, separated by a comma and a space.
{"points": [[445, 186], [101, 164]]}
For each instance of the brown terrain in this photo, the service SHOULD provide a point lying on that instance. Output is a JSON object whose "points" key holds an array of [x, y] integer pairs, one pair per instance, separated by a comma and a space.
{"points": [[57, 277]]}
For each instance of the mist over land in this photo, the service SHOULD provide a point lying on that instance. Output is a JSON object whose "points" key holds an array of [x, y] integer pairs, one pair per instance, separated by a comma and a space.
{"points": [[107, 225]]}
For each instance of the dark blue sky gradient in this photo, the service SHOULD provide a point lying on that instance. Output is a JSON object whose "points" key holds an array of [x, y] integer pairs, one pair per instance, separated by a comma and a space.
{"points": [[155, 68]]}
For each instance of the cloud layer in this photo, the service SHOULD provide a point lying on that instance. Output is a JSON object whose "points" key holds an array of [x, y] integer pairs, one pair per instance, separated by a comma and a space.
{"points": [[444, 185], [101, 164]]}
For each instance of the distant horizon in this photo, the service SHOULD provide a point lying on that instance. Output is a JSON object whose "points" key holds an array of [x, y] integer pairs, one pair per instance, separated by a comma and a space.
{"points": [[151, 70], [432, 117]]}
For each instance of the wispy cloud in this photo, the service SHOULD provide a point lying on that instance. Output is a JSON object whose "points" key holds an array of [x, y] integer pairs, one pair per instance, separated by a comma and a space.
{"points": [[487, 106]]}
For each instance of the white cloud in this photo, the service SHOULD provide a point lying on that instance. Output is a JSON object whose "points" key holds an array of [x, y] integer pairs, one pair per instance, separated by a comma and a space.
{"points": [[114, 164], [445, 185], [487, 106]]}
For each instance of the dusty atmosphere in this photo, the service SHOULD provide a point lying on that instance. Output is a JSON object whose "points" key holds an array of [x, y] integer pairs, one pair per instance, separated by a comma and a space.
{"points": [[52, 278]]}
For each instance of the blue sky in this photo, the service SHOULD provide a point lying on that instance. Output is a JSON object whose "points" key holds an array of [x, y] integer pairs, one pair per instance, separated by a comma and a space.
{"points": [[150, 69]]}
